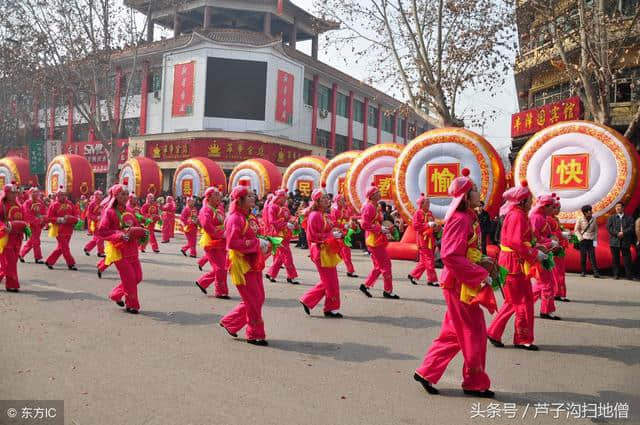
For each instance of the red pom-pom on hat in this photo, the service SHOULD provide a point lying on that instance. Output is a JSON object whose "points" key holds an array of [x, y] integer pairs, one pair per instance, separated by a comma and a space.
{"points": [[553, 195], [524, 183], [125, 182], [466, 172], [14, 182], [324, 184], [244, 183]]}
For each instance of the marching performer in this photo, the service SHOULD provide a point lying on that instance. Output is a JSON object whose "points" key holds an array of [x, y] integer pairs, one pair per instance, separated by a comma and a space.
{"points": [[34, 212], [463, 328], [424, 223], [342, 217], [559, 271], [325, 247], [168, 219], [150, 212], [544, 287], [12, 227], [246, 262], [122, 233], [213, 242], [518, 256], [63, 215], [93, 213], [281, 225], [189, 218], [376, 241]]}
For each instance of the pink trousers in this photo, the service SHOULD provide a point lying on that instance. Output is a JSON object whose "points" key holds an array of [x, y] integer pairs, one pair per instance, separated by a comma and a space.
{"points": [[249, 312], [426, 261], [152, 237], [345, 253], [381, 266], [190, 246], [101, 265], [463, 329], [203, 260], [283, 256], [218, 274], [9, 263], [545, 289], [95, 241], [62, 249], [167, 229], [130, 272], [328, 287], [519, 301], [558, 273], [33, 243]]}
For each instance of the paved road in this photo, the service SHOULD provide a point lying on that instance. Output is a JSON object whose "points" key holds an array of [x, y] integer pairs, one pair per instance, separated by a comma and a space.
{"points": [[62, 339]]}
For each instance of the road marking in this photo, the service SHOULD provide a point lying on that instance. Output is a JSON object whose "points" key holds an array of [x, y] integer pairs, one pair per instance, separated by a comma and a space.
{"points": [[54, 288]]}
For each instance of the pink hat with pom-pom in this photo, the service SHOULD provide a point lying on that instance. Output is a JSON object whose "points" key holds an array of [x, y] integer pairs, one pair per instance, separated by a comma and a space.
{"points": [[457, 190]]}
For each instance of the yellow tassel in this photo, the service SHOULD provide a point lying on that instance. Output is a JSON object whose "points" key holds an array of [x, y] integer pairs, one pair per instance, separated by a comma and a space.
{"points": [[466, 293], [328, 259], [53, 230], [3, 242], [92, 226], [371, 240], [112, 254], [205, 239], [238, 267]]}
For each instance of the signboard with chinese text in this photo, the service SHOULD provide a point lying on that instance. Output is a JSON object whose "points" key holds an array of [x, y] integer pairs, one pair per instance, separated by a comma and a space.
{"points": [[570, 171], [183, 79], [284, 98], [341, 181], [305, 187], [3, 181], [383, 183], [37, 163], [533, 120], [52, 149], [187, 187], [96, 154], [439, 178]]}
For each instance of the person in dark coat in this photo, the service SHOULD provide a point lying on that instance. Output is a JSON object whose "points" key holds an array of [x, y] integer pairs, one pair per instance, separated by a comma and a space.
{"points": [[621, 235]]}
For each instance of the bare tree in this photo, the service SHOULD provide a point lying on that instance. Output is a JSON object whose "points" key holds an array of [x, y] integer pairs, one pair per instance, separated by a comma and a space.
{"points": [[431, 50]]}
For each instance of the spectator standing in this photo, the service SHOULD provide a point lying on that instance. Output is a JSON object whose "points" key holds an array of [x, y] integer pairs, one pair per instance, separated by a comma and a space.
{"points": [[485, 225], [586, 230], [621, 232]]}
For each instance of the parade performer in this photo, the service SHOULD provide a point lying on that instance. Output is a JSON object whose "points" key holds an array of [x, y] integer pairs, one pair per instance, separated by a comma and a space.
{"points": [[281, 224], [376, 241], [122, 233], [342, 217], [325, 248], [133, 205], [82, 206], [34, 212], [424, 223], [519, 256], [93, 213], [151, 213], [559, 270], [168, 219], [213, 242], [189, 218], [62, 215], [246, 262], [12, 230], [463, 328], [544, 287]]}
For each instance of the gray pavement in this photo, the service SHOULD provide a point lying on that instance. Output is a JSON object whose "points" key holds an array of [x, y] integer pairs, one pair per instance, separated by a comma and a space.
{"points": [[61, 338]]}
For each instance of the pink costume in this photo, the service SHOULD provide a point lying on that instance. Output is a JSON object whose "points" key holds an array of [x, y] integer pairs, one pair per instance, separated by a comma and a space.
{"points": [[516, 251], [190, 228], [245, 267], [278, 220], [559, 271], [426, 241], [94, 211], [60, 210], [341, 217], [544, 287], [34, 213], [113, 226], [376, 241], [463, 328], [168, 219], [11, 215], [150, 211], [213, 242]]}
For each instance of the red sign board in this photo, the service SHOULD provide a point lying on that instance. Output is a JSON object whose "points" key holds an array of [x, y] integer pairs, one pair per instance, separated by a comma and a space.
{"points": [[533, 120], [383, 183], [223, 150], [439, 178], [95, 153], [187, 187], [19, 152], [341, 181], [183, 78], [305, 187], [284, 98], [570, 171]]}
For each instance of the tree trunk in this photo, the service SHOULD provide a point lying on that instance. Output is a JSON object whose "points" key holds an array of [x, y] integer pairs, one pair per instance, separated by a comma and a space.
{"points": [[113, 159], [632, 129]]}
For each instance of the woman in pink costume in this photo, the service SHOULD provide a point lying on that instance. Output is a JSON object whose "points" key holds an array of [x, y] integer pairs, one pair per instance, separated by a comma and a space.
{"points": [[559, 271], [246, 262], [376, 241], [282, 225], [424, 223], [463, 328], [518, 256], [168, 219], [93, 213], [214, 244], [34, 212], [341, 215], [189, 218], [151, 213], [63, 215], [323, 238], [12, 225]]}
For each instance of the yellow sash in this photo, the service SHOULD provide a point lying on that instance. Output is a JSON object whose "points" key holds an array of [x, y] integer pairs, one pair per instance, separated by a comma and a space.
{"points": [[205, 239], [466, 293], [112, 254], [328, 258], [54, 230], [238, 267], [526, 266], [3, 242], [92, 226]]}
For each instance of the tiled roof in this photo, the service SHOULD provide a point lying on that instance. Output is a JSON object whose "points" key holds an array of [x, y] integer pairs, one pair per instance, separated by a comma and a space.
{"points": [[237, 36]]}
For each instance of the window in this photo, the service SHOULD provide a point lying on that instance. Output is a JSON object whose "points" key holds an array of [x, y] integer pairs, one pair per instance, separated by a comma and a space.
{"points": [[136, 84], [322, 138], [358, 108], [626, 88], [342, 105], [400, 128], [324, 97], [130, 127], [155, 80], [358, 144], [81, 132], [629, 7], [60, 133], [373, 116], [551, 95], [387, 123], [341, 143], [308, 92]]}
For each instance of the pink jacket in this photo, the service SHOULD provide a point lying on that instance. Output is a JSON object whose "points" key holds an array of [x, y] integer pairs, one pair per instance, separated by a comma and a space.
{"points": [[318, 231], [34, 212], [111, 229], [62, 209], [515, 234], [212, 222], [187, 219]]}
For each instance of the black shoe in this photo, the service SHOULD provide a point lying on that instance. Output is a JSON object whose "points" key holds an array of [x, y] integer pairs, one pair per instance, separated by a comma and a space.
{"points": [[583, 274], [87, 253], [352, 275], [483, 394], [565, 300], [49, 266], [293, 282], [412, 280], [39, 262], [306, 309], [436, 284], [557, 298], [204, 291], [597, 276], [259, 342], [164, 241], [200, 267], [131, 310], [21, 259], [365, 290], [228, 331], [103, 255], [549, 316], [157, 251], [120, 303], [144, 251], [223, 297], [183, 252], [13, 290], [528, 347], [390, 295], [99, 274], [269, 278], [74, 268], [495, 342], [332, 315], [616, 278], [426, 384], [192, 256]]}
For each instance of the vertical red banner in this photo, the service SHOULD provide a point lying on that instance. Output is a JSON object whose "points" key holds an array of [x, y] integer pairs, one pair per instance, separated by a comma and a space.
{"points": [[183, 79], [284, 98], [383, 183]]}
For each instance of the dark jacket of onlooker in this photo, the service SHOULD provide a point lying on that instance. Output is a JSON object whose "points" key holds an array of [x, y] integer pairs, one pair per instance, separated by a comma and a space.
{"points": [[624, 224]]}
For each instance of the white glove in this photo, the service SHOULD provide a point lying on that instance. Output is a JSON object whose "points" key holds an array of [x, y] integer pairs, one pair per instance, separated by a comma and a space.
{"points": [[291, 226], [337, 234], [61, 220], [487, 281], [432, 224], [264, 246], [554, 243], [125, 237], [384, 230], [566, 234], [346, 226], [542, 256]]}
